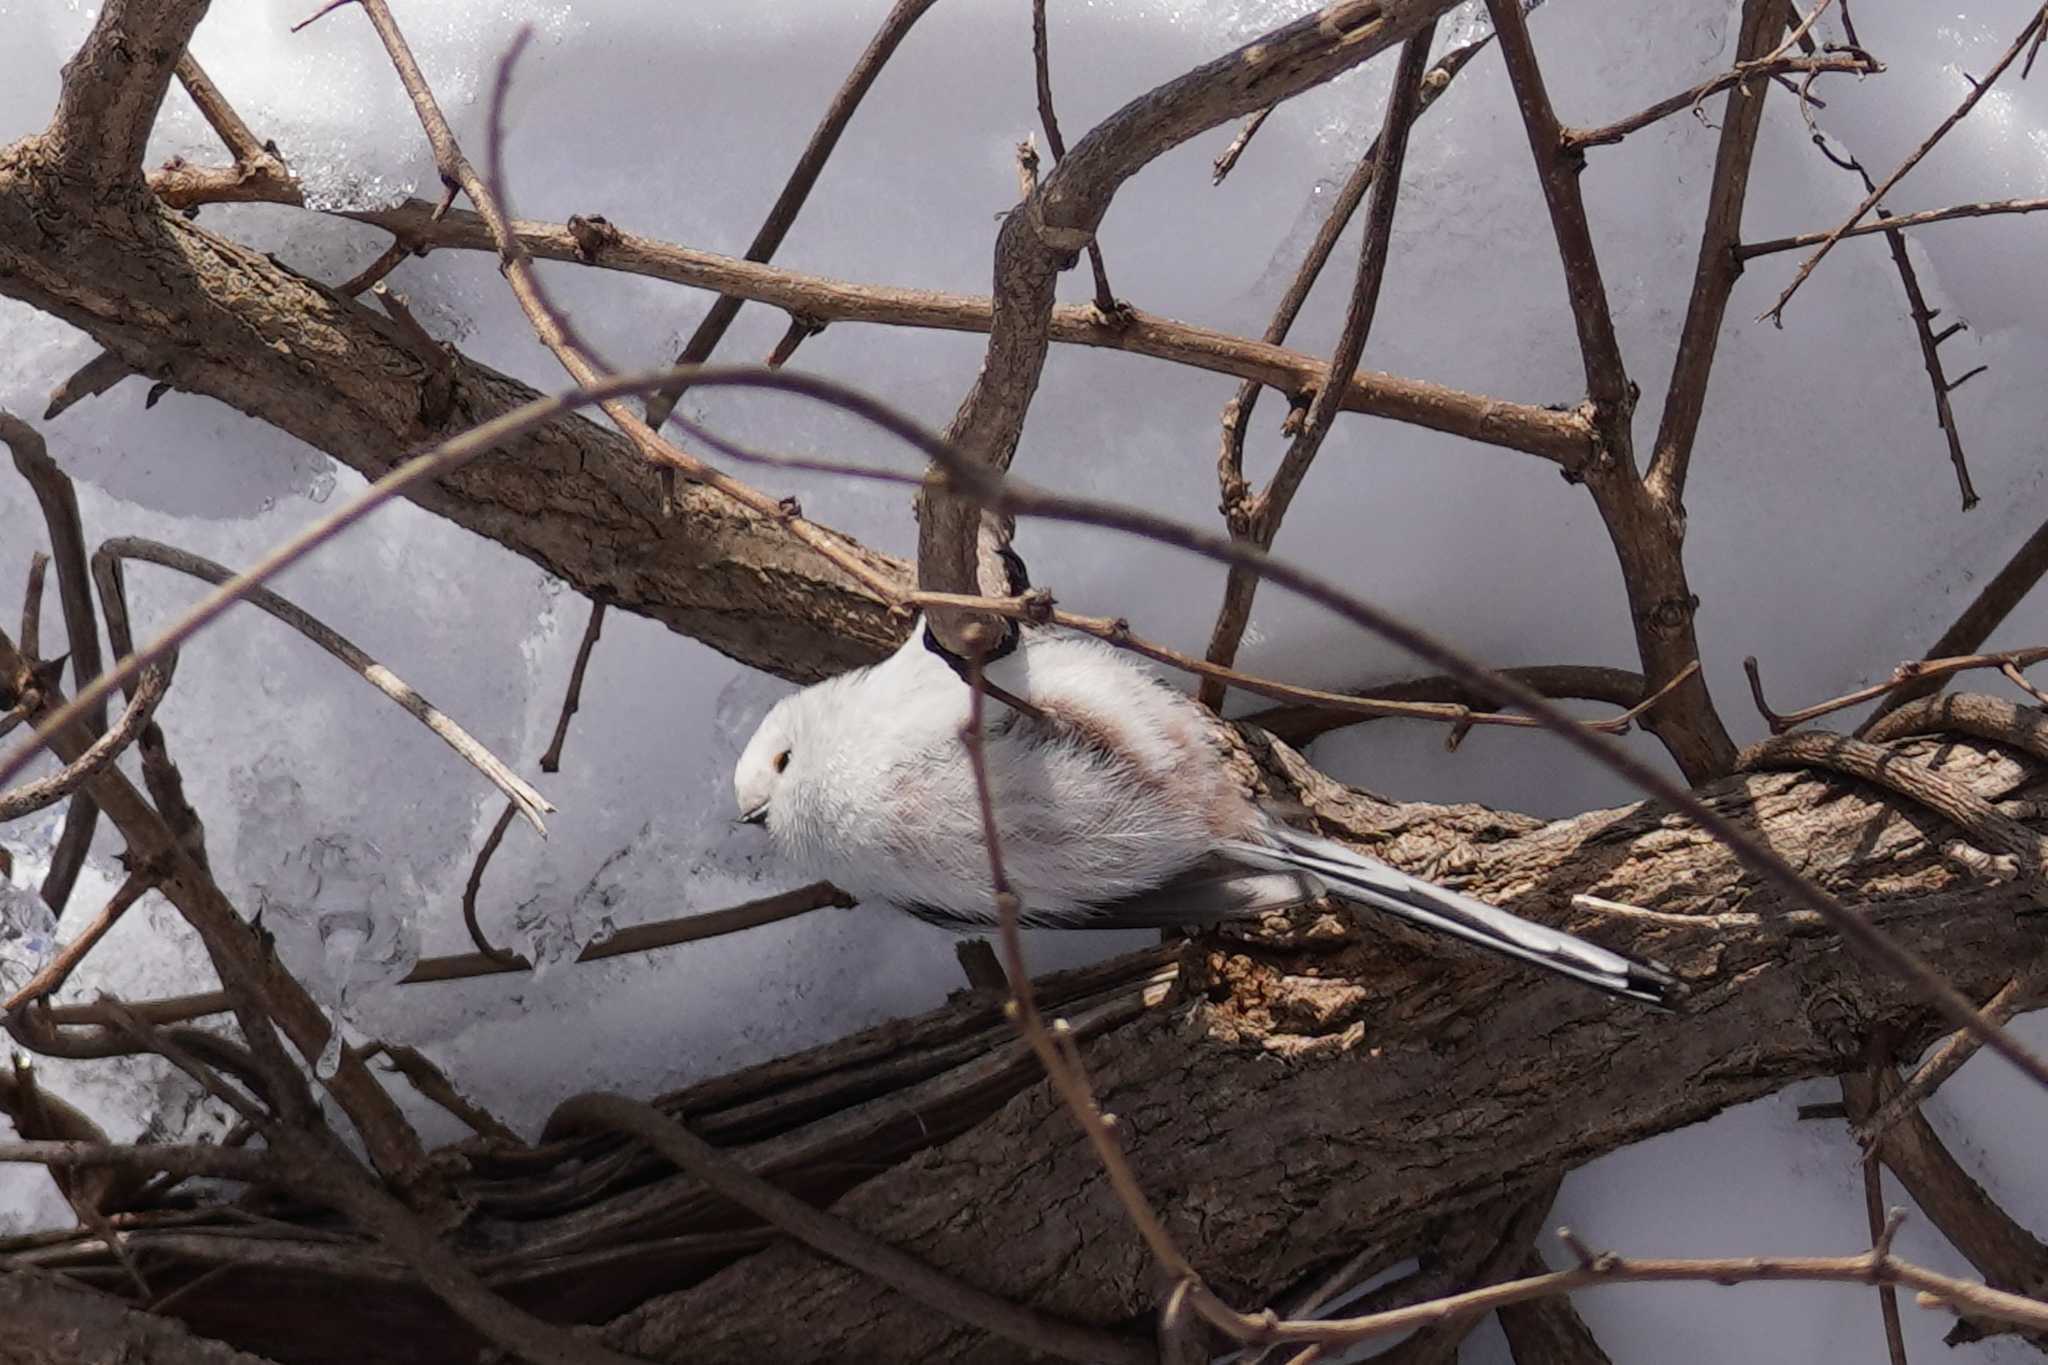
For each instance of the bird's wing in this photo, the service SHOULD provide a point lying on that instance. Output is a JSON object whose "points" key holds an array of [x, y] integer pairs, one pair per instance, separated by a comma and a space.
{"points": [[1204, 895]]}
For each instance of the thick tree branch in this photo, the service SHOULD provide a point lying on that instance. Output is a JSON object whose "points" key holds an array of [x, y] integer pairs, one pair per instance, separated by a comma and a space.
{"points": [[213, 317], [114, 85], [1405, 1129], [1647, 531]]}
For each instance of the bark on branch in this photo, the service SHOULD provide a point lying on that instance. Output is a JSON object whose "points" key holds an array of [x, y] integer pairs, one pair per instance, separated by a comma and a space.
{"points": [[1046, 233], [210, 316], [1402, 1085], [1406, 1084]]}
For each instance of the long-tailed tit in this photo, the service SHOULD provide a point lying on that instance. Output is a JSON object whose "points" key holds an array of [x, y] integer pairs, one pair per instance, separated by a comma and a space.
{"points": [[1113, 807]]}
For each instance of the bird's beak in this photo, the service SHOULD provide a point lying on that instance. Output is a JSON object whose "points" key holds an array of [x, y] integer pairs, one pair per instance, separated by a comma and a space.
{"points": [[757, 816]]}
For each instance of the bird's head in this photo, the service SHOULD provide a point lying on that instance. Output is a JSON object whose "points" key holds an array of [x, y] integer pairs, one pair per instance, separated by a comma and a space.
{"points": [[765, 763]]}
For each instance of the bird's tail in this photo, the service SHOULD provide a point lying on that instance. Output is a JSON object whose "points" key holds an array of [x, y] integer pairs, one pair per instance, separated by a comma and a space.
{"points": [[1355, 877]]}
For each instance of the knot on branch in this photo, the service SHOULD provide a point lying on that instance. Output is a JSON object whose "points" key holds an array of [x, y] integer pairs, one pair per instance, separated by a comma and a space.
{"points": [[593, 234]]}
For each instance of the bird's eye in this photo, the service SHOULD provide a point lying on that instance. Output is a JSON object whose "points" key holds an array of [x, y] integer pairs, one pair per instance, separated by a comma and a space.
{"points": [[782, 760]]}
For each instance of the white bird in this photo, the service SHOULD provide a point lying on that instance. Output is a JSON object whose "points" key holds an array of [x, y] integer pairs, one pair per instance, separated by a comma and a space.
{"points": [[1113, 807]]}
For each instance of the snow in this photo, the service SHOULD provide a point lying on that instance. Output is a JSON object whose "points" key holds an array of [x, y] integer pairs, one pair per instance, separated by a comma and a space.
{"points": [[1824, 533]]}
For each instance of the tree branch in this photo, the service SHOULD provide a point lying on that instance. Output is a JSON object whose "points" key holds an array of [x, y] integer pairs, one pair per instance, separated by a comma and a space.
{"points": [[1715, 275], [59, 503], [1042, 236], [1978, 89], [782, 215], [1648, 532], [1262, 517], [114, 86]]}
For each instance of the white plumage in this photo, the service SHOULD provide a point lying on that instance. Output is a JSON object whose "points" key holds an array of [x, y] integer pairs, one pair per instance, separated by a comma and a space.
{"points": [[1113, 806]]}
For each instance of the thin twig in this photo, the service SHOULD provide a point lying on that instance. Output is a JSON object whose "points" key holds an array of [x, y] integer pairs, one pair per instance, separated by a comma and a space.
{"points": [[1562, 437], [2004, 591], [1854, 63], [1041, 63], [782, 215], [32, 606], [1930, 356], [1911, 673], [522, 795], [1978, 89], [59, 968], [1715, 273], [1062, 1065], [2016, 995], [473, 887], [208, 1162], [551, 761], [58, 501], [1985, 209], [572, 699], [637, 938], [433, 1083], [1258, 518], [1227, 162], [1966, 1298], [47, 791], [1600, 351], [89, 380]]}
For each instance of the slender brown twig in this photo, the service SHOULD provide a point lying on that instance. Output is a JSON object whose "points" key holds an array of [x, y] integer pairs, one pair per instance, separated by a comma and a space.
{"points": [[2016, 995], [551, 761], [636, 938], [518, 791], [32, 606], [1041, 63], [54, 973], [1910, 673], [1226, 162], [1849, 63], [1379, 170], [58, 501], [105, 748], [1978, 89], [1715, 274], [1898, 222], [896, 26], [1995, 601]]}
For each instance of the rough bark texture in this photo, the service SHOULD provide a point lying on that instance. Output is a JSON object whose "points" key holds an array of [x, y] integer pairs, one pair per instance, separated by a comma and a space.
{"points": [[1315, 1086], [210, 316], [1327, 1084], [52, 1321]]}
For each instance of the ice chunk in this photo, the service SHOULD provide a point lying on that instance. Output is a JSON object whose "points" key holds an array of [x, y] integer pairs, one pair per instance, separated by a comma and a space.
{"points": [[28, 935], [344, 920]]}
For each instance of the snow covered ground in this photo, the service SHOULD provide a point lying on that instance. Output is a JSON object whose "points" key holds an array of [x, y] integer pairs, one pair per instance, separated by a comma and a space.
{"points": [[1824, 535]]}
